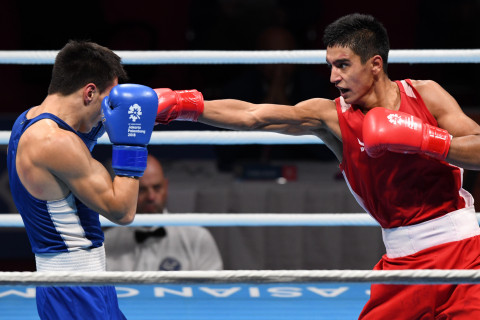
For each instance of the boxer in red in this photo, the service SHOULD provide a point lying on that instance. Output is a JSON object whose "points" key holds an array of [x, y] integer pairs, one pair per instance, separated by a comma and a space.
{"points": [[402, 146]]}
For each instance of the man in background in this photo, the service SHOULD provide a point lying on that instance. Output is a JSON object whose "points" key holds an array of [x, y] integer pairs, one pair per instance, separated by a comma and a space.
{"points": [[169, 248]]}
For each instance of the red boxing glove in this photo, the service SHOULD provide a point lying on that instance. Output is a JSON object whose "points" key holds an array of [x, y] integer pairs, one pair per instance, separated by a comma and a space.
{"points": [[186, 105], [400, 132]]}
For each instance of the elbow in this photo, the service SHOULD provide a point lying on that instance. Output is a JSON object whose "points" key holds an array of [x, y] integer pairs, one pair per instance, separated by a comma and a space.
{"points": [[123, 219], [252, 124], [125, 222], [127, 219]]}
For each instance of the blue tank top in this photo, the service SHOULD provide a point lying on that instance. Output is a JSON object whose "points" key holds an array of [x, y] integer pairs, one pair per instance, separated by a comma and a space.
{"points": [[52, 226]]}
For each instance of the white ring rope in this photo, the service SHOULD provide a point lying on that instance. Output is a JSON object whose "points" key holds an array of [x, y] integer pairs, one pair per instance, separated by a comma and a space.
{"points": [[211, 138], [232, 219], [208, 137], [65, 278], [229, 219], [246, 57]]}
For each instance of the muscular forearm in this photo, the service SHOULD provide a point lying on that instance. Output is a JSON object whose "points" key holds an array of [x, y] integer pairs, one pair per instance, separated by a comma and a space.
{"points": [[122, 206], [230, 114], [465, 152]]}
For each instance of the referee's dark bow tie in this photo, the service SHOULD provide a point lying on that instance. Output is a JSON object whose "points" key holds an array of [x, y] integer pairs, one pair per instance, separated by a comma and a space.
{"points": [[142, 235]]}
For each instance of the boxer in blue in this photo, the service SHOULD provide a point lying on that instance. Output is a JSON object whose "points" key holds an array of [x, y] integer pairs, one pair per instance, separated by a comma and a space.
{"points": [[60, 189]]}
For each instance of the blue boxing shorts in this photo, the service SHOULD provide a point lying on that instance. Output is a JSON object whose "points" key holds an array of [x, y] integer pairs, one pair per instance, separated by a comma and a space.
{"points": [[78, 303]]}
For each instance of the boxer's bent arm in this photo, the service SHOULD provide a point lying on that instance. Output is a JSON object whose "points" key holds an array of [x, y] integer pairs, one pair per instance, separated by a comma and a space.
{"points": [[465, 146], [90, 181]]}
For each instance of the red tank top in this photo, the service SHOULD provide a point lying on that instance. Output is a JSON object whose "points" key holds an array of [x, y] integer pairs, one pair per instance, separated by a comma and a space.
{"points": [[398, 189]]}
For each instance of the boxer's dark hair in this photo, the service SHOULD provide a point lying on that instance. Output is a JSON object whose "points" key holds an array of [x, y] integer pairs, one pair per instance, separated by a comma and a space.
{"points": [[363, 34], [81, 62]]}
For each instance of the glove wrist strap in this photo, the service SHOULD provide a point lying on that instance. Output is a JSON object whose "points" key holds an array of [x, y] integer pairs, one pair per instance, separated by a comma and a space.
{"points": [[436, 142], [129, 160]]}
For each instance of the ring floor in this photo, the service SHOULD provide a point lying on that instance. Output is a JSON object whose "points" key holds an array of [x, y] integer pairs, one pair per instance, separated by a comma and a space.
{"points": [[282, 301]]}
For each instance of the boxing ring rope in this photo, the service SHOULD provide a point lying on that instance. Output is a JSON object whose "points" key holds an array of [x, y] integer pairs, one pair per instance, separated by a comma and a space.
{"points": [[62, 278], [232, 220], [211, 137], [246, 57]]}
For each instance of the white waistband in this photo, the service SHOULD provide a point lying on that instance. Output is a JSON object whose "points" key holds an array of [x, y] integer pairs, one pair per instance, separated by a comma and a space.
{"points": [[79, 260], [454, 226]]}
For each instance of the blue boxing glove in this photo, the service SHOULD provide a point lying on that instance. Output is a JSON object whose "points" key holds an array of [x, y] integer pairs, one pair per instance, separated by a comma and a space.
{"points": [[90, 138], [129, 116]]}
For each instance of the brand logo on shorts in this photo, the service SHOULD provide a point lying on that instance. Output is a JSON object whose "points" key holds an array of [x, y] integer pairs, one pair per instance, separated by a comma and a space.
{"points": [[135, 112]]}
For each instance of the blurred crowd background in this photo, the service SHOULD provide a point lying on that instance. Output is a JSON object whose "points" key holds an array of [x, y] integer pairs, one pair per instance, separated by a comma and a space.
{"points": [[218, 179]]}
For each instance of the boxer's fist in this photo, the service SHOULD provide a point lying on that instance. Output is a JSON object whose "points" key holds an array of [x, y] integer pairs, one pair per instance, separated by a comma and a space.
{"points": [[186, 105], [129, 112], [387, 130], [129, 116]]}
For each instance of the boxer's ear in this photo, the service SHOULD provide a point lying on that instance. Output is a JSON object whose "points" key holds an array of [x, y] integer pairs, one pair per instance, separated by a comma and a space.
{"points": [[88, 93]]}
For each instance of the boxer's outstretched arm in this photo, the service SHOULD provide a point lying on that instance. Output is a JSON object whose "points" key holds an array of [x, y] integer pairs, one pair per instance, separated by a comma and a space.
{"points": [[310, 117], [306, 117]]}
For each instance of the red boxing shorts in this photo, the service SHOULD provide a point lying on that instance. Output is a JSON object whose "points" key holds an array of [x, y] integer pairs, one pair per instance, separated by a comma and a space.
{"points": [[459, 302]]}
